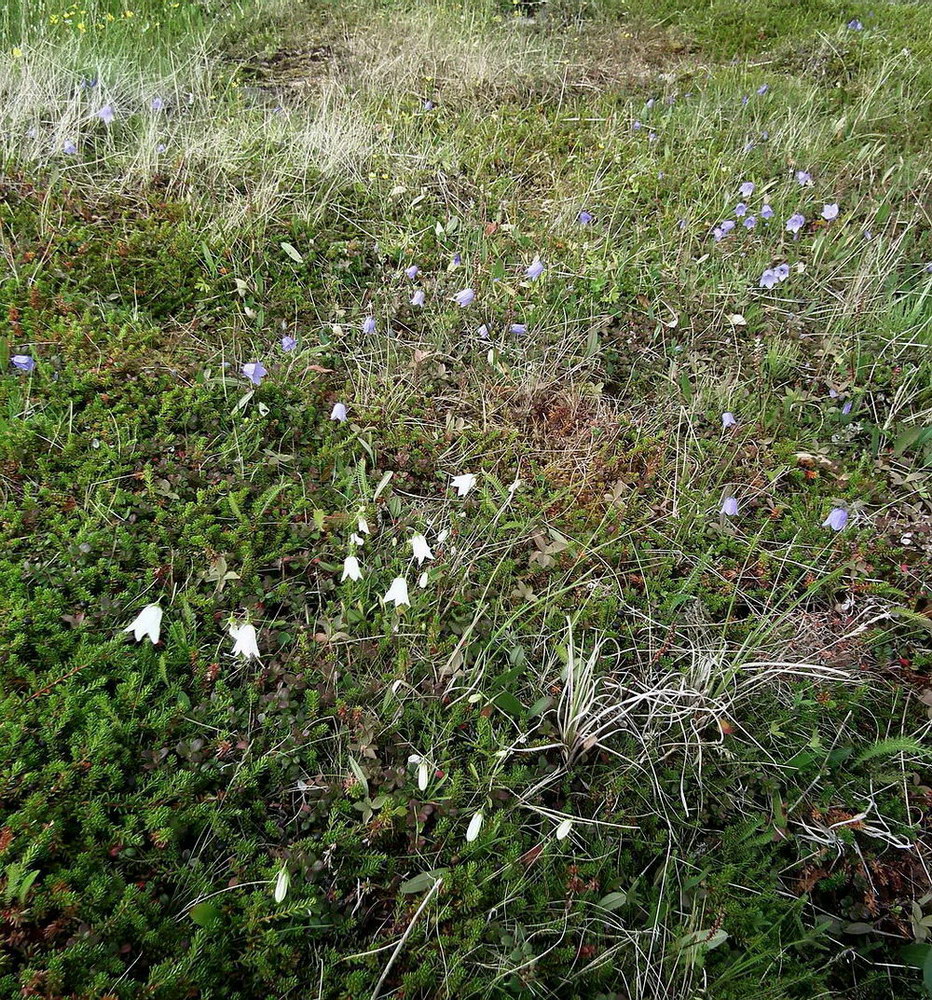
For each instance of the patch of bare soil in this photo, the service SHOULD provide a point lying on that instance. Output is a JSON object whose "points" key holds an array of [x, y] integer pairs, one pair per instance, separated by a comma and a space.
{"points": [[293, 68], [531, 61]]}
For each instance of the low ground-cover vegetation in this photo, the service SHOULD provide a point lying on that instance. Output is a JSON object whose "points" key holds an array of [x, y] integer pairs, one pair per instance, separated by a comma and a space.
{"points": [[507, 430]]}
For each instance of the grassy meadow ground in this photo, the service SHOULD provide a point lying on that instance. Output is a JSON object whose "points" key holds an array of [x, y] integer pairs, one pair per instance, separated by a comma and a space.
{"points": [[646, 725]]}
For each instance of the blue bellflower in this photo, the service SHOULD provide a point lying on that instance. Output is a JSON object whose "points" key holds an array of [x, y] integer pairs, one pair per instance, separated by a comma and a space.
{"points": [[255, 372], [836, 520]]}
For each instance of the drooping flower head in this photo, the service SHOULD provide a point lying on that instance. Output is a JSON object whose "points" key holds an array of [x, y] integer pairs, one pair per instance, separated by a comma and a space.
{"points": [[750, 222], [147, 623], [803, 178], [397, 593], [417, 299], [836, 520], [535, 270], [255, 371], [106, 114], [23, 362], [475, 825], [584, 218], [746, 189], [338, 412], [464, 483], [413, 271], [69, 147], [518, 329], [157, 104], [763, 88], [741, 209], [782, 271], [464, 298], [728, 420], [768, 279], [420, 549], [368, 325], [351, 570], [829, 212], [245, 641], [721, 231], [855, 25], [288, 343], [730, 507], [766, 212], [795, 222]]}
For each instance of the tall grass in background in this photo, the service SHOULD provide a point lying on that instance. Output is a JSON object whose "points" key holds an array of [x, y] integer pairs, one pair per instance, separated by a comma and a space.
{"points": [[140, 31]]}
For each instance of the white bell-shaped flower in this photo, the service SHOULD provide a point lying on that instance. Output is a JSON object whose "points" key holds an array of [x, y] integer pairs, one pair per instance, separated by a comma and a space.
{"points": [[147, 622], [351, 570], [398, 592], [245, 641], [420, 548], [463, 484]]}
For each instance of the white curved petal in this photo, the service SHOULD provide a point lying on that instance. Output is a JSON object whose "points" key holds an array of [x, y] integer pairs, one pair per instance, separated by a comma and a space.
{"points": [[147, 622]]}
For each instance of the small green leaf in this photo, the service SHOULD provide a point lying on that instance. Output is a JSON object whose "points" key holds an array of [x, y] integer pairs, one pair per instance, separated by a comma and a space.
{"points": [[915, 955], [613, 900], [204, 914], [292, 253], [419, 883], [508, 703], [359, 774], [540, 706], [26, 884], [504, 680]]}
